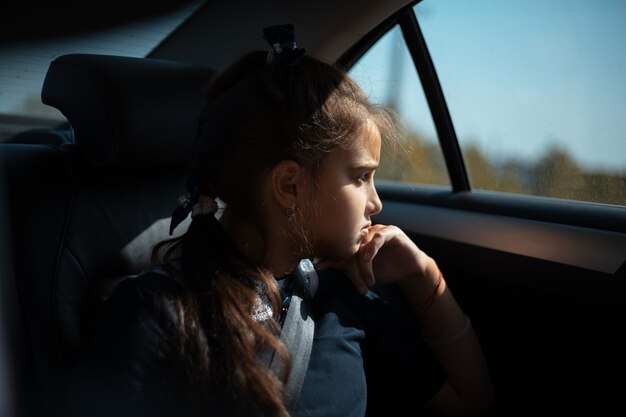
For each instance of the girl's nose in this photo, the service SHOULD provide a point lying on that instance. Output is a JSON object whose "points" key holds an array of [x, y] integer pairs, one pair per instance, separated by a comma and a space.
{"points": [[375, 204]]}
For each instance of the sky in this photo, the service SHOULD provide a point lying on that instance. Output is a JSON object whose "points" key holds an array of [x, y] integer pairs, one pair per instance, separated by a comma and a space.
{"points": [[519, 77]]}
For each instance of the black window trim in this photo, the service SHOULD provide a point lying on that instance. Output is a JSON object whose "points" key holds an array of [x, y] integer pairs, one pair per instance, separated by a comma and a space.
{"points": [[416, 45]]}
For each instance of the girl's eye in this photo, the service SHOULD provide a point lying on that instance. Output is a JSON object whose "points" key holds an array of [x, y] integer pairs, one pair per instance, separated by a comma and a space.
{"points": [[366, 177]]}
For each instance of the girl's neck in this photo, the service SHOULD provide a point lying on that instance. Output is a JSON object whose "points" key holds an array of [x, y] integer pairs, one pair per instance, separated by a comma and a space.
{"points": [[272, 253]]}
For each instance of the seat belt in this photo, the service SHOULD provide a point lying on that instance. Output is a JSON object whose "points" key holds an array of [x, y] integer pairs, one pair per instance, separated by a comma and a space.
{"points": [[298, 328]]}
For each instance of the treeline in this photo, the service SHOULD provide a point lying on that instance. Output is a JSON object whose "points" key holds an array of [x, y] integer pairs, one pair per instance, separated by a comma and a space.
{"points": [[555, 174]]}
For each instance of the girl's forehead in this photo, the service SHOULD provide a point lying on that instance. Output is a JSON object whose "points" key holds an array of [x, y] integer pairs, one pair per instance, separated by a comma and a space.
{"points": [[366, 136], [364, 148], [368, 139]]}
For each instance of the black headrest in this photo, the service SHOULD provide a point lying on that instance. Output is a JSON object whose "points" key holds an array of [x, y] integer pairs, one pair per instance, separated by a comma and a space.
{"points": [[128, 111]]}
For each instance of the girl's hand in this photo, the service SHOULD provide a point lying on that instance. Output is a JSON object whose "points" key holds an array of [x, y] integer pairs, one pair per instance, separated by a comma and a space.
{"points": [[386, 255]]}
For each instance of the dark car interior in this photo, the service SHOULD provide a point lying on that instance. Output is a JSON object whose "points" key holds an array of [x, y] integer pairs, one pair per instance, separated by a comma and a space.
{"points": [[86, 211], [543, 281]]}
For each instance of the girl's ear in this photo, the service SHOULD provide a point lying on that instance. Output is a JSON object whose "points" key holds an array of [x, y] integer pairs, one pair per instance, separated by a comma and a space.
{"points": [[287, 182]]}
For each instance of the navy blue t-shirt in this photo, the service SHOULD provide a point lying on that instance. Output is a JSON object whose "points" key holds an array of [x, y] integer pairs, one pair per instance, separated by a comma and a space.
{"points": [[367, 356]]}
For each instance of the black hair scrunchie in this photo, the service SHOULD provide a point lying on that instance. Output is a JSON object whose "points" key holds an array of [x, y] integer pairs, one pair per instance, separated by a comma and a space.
{"points": [[284, 53]]}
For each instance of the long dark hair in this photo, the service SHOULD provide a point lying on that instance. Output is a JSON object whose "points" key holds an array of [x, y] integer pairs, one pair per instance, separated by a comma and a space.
{"points": [[254, 117]]}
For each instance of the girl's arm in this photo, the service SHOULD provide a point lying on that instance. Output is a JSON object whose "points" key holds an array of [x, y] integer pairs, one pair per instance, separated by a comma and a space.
{"points": [[468, 390], [387, 255]]}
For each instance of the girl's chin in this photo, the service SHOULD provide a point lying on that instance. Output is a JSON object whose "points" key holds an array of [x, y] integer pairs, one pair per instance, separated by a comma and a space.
{"points": [[337, 252], [339, 255]]}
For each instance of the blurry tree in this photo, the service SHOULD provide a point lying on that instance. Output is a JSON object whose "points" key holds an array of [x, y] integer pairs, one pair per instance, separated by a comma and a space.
{"points": [[514, 176], [606, 188], [556, 174], [480, 170], [413, 160]]}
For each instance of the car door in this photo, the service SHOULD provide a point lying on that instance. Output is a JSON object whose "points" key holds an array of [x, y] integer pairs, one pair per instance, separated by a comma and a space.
{"points": [[520, 201]]}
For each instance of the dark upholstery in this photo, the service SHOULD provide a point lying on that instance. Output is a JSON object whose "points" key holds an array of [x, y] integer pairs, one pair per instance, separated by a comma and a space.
{"points": [[56, 137], [39, 188], [84, 216], [125, 111]]}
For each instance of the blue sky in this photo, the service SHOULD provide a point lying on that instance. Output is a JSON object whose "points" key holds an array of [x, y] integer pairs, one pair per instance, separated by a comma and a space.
{"points": [[518, 76]]}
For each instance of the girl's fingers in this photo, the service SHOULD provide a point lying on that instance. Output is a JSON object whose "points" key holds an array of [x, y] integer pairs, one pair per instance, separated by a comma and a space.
{"points": [[371, 248], [367, 253], [360, 268]]}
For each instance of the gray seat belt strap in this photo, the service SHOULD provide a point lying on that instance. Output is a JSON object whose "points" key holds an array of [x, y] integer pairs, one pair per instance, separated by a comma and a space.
{"points": [[298, 328]]}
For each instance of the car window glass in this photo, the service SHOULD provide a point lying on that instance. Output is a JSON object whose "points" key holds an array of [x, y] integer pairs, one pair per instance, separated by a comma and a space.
{"points": [[24, 63], [536, 91], [387, 75]]}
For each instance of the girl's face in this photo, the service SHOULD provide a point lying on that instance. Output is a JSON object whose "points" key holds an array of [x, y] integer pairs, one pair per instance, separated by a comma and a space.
{"points": [[345, 197]]}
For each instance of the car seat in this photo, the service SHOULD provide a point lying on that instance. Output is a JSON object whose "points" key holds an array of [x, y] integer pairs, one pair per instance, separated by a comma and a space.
{"points": [[84, 215], [57, 136]]}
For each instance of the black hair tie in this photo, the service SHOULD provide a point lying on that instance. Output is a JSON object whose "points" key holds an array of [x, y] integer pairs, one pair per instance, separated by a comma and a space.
{"points": [[284, 53], [186, 205]]}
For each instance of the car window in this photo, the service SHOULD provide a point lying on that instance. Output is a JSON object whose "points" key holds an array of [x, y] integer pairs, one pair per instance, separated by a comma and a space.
{"points": [[387, 75], [536, 91], [24, 63]]}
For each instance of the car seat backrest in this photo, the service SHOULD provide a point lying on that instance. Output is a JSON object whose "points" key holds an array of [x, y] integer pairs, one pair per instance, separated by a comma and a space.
{"points": [[86, 215], [57, 136], [39, 188]]}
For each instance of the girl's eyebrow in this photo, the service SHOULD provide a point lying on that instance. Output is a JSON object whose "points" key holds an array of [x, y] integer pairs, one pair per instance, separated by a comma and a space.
{"points": [[365, 165]]}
